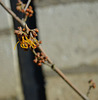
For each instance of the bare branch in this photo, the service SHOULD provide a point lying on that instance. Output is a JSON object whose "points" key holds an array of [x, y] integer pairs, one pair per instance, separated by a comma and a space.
{"points": [[27, 5], [13, 14]]}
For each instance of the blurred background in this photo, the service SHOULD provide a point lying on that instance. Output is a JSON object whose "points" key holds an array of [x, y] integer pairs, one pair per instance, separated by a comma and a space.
{"points": [[69, 32]]}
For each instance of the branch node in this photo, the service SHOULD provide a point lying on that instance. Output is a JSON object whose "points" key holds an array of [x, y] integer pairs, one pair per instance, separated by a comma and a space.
{"points": [[52, 66]]}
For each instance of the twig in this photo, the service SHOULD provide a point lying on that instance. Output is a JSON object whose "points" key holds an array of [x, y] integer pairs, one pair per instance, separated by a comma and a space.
{"points": [[13, 14], [91, 85], [88, 92], [57, 70], [27, 5]]}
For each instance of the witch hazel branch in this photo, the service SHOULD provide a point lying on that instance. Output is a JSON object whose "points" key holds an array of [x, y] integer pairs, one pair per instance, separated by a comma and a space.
{"points": [[27, 38]]}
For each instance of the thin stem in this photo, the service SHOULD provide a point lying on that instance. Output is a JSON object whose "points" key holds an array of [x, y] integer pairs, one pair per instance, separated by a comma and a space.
{"points": [[13, 14], [25, 18], [57, 70], [27, 5], [84, 97], [88, 92], [41, 49], [47, 64]]}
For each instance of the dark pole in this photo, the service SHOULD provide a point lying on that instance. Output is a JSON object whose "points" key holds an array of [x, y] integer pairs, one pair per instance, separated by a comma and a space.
{"points": [[31, 75]]}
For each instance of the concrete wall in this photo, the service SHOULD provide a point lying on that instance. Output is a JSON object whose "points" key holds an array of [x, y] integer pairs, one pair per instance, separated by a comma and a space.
{"points": [[10, 85], [43, 3], [69, 32]]}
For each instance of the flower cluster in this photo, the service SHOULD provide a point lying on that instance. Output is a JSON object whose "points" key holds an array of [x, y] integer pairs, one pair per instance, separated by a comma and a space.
{"points": [[29, 11], [21, 7], [92, 84], [40, 58], [27, 38]]}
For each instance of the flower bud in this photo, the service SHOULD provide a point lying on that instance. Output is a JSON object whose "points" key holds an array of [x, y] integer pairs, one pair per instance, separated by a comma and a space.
{"points": [[35, 60], [39, 64], [36, 30]]}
